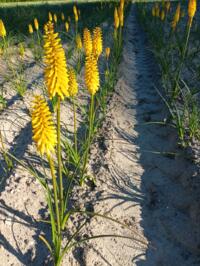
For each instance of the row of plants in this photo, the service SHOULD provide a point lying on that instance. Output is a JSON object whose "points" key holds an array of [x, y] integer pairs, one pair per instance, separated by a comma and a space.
{"points": [[14, 50], [173, 30], [11, 1], [67, 154], [21, 16], [16, 59]]}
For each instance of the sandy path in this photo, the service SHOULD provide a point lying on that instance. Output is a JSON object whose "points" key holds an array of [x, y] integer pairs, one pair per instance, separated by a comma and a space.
{"points": [[157, 195]]}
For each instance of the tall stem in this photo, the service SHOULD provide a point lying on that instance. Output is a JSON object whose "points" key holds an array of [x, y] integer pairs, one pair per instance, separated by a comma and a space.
{"points": [[4, 45], [38, 37], [76, 28], [59, 161], [120, 38], [91, 122], [55, 195], [75, 126]]}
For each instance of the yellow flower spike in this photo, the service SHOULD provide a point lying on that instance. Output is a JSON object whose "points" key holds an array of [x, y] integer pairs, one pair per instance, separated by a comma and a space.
{"points": [[75, 10], [157, 11], [167, 6], [62, 16], [153, 11], [55, 18], [176, 17], [91, 74], [75, 13], [73, 85], [36, 24], [67, 26], [107, 50], [50, 16], [122, 5], [56, 76], [30, 29], [44, 131], [45, 28], [97, 42], [2, 29], [116, 19], [87, 41], [192, 7], [76, 17], [79, 44], [121, 17], [162, 15]]}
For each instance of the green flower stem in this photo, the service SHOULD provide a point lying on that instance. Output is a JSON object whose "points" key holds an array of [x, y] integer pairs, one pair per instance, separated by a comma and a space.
{"points": [[120, 37], [55, 195], [75, 126], [79, 62], [59, 161], [91, 122], [38, 37], [76, 28], [4, 45]]}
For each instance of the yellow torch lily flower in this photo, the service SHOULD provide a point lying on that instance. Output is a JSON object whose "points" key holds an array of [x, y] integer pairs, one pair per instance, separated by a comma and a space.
{"points": [[167, 6], [73, 84], [153, 11], [2, 29], [176, 17], [44, 131], [107, 50], [67, 26], [79, 44], [76, 17], [87, 42], [75, 10], [62, 16], [162, 15], [30, 29], [122, 4], [75, 13], [55, 18], [97, 42], [192, 7], [121, 16], [116, 19], [56, 77], [91, 74], [50, 16], [36, 24], [157, 9]]}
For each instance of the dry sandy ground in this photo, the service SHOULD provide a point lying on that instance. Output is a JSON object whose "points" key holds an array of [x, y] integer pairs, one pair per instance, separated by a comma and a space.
{"points": [[143, 179]]}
